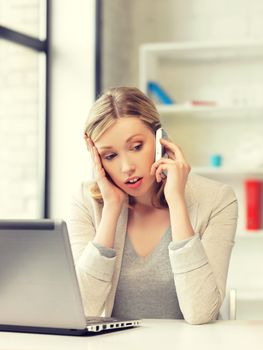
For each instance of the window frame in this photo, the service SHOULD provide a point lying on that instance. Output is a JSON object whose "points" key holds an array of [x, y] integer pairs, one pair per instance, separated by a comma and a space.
{"points": [[98, 48], [41, 46]]}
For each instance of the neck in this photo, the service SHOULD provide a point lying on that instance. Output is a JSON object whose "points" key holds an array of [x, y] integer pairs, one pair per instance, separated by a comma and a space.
{"points": [[144, 202]]}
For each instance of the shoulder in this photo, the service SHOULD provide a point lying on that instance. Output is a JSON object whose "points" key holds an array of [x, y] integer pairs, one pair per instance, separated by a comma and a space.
{"points": [[82, 200], [81, 194], [203, 189]]}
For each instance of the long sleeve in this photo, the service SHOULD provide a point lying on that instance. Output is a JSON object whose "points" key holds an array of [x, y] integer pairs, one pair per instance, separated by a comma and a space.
{"points": [[94, 269], [200, 266]]}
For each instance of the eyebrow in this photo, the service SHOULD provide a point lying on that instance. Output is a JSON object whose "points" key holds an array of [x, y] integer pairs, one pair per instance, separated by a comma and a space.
{"points": [[131, 137]]}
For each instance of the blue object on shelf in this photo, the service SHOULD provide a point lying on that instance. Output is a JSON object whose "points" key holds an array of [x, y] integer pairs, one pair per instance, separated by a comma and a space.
{"points": [[159, 92], [216, 160]]}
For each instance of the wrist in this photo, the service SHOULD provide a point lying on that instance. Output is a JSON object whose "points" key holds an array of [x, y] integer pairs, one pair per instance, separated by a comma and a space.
{"points": [[113, 208], [176, 201]]}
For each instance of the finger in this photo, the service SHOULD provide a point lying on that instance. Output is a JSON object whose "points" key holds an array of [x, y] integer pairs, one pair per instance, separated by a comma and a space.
{"points": [[96, 156], [92, 156], [89, 142], [175, 149], [159, 162], [98, 169], [167, 151], [97, 163], [98, 160], [85, 137], [170, 154], [160, 173]]}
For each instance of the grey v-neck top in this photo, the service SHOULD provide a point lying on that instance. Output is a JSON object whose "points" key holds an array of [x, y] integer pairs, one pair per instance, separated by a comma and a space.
{"points": [[146, 287]]}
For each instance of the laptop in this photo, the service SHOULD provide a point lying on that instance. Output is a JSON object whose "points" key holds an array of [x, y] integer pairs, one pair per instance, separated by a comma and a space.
{"points": [[39, 291]]}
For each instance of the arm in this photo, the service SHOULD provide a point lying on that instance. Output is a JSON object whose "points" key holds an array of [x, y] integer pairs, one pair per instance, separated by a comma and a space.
{"points": [[92, 246], [180, 221], [200, 267], [94, 270], [106, 231]]}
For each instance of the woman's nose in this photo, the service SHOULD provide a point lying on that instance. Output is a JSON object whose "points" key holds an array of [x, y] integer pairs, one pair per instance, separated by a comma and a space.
{"points": [[127, 166]]}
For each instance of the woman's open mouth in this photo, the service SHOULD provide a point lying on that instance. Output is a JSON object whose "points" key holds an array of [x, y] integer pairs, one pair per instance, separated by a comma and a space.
{"points": [[135, 184]]}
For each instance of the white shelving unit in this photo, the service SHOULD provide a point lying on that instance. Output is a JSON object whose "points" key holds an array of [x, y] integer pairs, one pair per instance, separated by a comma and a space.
{"points": [[197, 62], [229, 75], [194, 53], [186, 110], [227, 78], [235, 174], [255, 234], [229, 171]]}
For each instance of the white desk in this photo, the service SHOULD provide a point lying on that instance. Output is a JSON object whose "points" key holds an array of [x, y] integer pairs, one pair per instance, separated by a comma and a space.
{"points": [[154, 334]]}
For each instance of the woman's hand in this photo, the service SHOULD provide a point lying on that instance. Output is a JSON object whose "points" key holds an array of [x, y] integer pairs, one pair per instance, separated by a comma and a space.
{"points": [[177, 170], [111, 194]]}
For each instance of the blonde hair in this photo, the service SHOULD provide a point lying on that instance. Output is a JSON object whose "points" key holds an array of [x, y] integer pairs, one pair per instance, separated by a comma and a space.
{"points": [[122, 102]]}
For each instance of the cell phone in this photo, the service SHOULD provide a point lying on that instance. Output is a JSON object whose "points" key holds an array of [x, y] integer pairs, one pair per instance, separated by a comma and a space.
{"points": [[159, 148]]}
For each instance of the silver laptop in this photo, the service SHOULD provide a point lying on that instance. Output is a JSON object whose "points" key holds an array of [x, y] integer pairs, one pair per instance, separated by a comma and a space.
{"points": [[39, 291]]}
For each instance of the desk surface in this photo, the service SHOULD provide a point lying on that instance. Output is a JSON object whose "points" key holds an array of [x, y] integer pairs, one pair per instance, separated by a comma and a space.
{"points": [[153, 334]]}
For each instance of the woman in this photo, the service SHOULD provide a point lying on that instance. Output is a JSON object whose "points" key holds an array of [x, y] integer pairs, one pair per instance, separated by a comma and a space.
{"points": [[148, 245]]}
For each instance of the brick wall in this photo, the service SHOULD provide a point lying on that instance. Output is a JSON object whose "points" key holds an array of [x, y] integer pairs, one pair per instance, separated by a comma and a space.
{"points": [[21, 130]]}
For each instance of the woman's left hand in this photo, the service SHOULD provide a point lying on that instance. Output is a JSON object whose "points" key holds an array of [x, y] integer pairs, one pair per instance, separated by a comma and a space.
{"points": [[177, 170]]}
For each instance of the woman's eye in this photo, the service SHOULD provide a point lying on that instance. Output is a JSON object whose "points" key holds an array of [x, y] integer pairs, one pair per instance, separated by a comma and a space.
{"points": [[113, 155], [109, 157], [138, 147]]}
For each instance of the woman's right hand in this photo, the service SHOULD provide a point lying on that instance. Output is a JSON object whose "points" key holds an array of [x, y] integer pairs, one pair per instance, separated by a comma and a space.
{"points": [[111, 194]]}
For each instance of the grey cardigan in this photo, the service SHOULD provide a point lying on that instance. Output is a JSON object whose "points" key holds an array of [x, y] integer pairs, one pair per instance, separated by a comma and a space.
{"points": [[200, 266]]}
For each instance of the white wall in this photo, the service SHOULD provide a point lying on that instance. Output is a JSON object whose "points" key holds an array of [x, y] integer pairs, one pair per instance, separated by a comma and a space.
{"points": [[142, 21], [72, 92], [202, 20]]}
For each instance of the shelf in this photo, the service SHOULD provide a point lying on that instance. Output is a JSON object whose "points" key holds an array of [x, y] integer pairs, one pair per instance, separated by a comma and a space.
{"points": [[181, 110], [253, 294], [209, 170], [250, 234], [193, 51]]}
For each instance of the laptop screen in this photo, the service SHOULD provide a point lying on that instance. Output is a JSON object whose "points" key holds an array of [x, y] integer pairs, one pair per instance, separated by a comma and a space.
{"points": [[38, 280]]}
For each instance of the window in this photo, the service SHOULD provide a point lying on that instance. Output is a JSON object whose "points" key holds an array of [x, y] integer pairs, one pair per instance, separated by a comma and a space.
{"points": [[23, 108]]}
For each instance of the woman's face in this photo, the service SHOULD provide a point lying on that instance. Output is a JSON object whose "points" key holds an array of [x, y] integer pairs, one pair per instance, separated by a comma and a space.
{"points": [[127, 150]]}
